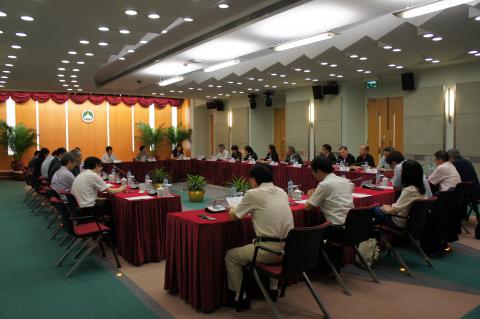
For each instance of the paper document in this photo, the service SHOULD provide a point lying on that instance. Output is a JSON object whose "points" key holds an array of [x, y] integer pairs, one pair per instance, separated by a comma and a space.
{"points": [[109, 185], [385, 187], [139, 197], [360, 195], [234, 201], [303, 201]]}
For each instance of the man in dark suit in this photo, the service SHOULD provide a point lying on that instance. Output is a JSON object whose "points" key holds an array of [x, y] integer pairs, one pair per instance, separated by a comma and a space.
{"points": [[292, 156], [365, 157], [344, 157], [465, 168], [327, 152]]}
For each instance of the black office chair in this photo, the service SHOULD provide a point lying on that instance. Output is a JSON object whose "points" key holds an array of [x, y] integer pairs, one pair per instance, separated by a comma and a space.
{"points": [[416, 221], [300, 255]]}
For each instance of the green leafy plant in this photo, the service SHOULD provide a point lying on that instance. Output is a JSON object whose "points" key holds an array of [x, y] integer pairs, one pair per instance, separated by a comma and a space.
{"points": [[241, 184], [195, 183], [151, 136], [18, 139], [158, 174], [176, 135]]}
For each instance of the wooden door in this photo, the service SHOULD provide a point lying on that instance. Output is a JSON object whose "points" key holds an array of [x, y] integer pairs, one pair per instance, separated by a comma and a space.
{"points": [[212, 133], [385, 125], [280, 132]]}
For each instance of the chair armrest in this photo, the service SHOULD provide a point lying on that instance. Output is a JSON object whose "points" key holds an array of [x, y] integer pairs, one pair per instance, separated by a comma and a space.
{"points": [[257, 248], [398, 216]]}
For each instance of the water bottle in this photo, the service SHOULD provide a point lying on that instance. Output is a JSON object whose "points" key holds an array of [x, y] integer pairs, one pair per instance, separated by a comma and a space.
{"points": [[147, 178], [165, 181], [365, 165], [166, 189], [430, 168], [378, 179], [129, 174], [290, 188], [113, 173]]}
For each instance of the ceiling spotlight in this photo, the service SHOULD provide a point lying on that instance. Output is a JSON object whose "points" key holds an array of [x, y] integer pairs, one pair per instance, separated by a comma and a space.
{"points": [[4, 77], [251, 79], [293, 83], [314, 80], [354, 56], [323, 63], [429, 7], [223, 6], [339, 76], [84, 42], [104, 29], [171, 81], [79, 90], [80, 62], [60, 75], [477, 54], [20, 34], [332, 74], [367, 72], [308, 79], [472, 52], [89, 54], [298, 69], [387, 47], [69, 89], [61, 69], [121, 58], [239, 83], [273, 74], [2, 14], [428, 35], [11, 56], [221, 65], [65, 61], [210, 85], [219, 86], [429, 59], [399, 67], [436, 61], [477, 18], [333, 65], [131, 12], [188, 19], [360, 70], [230, 82], [15, 46], [26, 18], [124, 31], [397, 50], [164, 31], [102, 44], [199, 89], [363, 58], [283, 75], [392, 65], [131, 51], [9, 65], [65, 85], [153, 16], [73, 81], [76, 70], [73, 76], [260, 80], [436, 39], [143, 41], [61, 80], [72, 52], [306, 71], [304, 41]]}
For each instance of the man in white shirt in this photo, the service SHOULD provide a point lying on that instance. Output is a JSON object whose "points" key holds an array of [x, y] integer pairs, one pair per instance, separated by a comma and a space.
{"points": [[395, 159], [88, 184], [46, 165], [272, 219], [109, 157], [63, 178], [445, 175], [222, 152]]}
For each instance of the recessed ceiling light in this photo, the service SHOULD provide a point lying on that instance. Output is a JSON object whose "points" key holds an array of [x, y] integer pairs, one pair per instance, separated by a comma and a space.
{"points": [[104, 29], [69, 89], [397, 50], [251, 79], [172, 91], [283, 75], [3, 82], [199, 89], [260, 80], [298, 69], [164, 31], [387, 47], [2, 86], [60, 75], [285, 82], [89, 54], [249, 89], [1, 32], [188, 19], [76, 86], [273, 74], [72, 52], [472, 52], [73, 81], [315, 80], [218, 93], [219, 86], [9, 65], [399, 67], [124, 31], [428, 35], [61, 80], [230, 82], [162, 94], [6, 71], [323, 63], [359, 70], [65, 61], [190, 88], [273, 87], [180, 91], [143, 41], [80, 62], [367, 72], [436, 39], [241, 92], [392, 65], [65, 85], [73, 76], [153, 16], [26, 18], [131, 51], [333, 65], [363, 58], [121, 58], [429, 59], [339, 76], [257, 90], [306, 71], [332, 74], [2, 14], [477, 54], [131, 12], [15, 46], [436, 61], [210, 85], [477, 18], [4, 77], [76, 70], [61, 69], [84, 42], [20, 34], [102, 44], [308, 79], [223, 6], [79, 90], [293, 83], [11, 56], [354, 56], [239, 83]]}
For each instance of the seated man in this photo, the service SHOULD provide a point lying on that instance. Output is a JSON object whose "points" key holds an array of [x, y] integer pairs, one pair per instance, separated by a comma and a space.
{"points": [[364, 157], [109, 157], [344, 157], [395, 160], [55, 163], [382, 164], [63, 178], [272, 220], [445, 175], [142, 156], [88, 184], [464, 167], [292, 156], [236, 154], [222, 152], [327, 152], [31, 163], [78, 161], [46, 164]]}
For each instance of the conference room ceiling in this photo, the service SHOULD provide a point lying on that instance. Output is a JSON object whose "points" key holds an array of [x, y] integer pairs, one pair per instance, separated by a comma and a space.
{"points": [[247, 31]]}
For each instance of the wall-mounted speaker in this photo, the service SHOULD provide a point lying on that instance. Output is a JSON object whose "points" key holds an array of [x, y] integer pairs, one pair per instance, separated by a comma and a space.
{"points": [[211, 105], [219, 105], [252, 100], [268, 98], [331, 88], [317, 92], [408, 82]]}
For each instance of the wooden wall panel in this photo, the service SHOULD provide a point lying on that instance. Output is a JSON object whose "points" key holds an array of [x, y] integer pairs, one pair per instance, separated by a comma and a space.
{"points": [[25, 113], [4, 159], [140, 115], [121, 131], [163, 118], [51, 122], [92, 137], [183, 116]]}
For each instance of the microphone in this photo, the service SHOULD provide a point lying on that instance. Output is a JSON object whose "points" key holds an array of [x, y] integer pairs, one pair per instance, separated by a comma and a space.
{"points": [[219, 208], [118, 169]]}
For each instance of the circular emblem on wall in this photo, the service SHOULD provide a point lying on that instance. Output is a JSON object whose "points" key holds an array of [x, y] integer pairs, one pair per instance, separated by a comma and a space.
{"points": [[88, 116]]}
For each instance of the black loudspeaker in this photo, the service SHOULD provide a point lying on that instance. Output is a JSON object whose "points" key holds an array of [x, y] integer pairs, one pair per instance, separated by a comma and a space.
{"points": [[268, 98], [220, 106], [331, 88], [252, 100], [408, 83], [317, 92], [211, 105]]}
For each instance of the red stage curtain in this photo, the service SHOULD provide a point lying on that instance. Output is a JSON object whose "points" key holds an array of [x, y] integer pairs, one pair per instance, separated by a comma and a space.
{"points": [[130, 100], [97, 99], [114, 100], [20, 97], [145, 101], [40, 97], [79, 99], [59, 98], [4, 96]]}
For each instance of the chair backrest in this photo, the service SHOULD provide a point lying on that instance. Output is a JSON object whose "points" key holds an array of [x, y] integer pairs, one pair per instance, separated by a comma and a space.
{"points": [[417, 216], [358, 225], [67, 221], [302, 248]]}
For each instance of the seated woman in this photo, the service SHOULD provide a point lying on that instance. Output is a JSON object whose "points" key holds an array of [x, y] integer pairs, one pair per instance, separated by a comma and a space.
{"points": [[272, 154], [177, 152], [235, 153], [395, 216], [249, 153]]}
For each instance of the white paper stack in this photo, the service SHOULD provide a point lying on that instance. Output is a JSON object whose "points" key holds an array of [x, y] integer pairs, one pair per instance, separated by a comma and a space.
{"points": [[234, 201], [139, 197]]}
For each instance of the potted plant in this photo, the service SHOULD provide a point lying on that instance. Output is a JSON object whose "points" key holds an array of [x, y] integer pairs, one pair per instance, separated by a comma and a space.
{"points": [[18, 139], [195, 187], [241, 184], [157, 176], [150, 136], [177, 135]]}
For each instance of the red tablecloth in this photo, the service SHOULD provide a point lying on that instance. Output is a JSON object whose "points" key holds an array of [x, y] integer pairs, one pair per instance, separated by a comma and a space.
{"points": [[140, 226], [195, 267]]}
